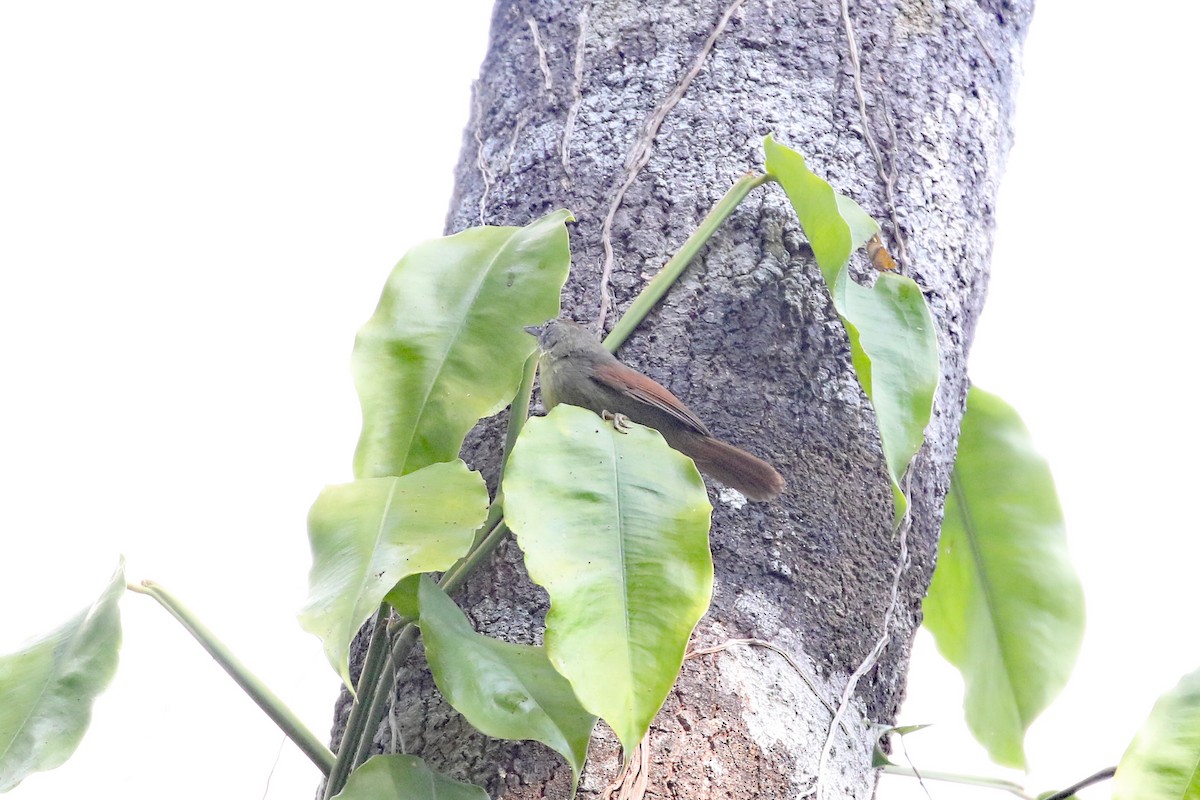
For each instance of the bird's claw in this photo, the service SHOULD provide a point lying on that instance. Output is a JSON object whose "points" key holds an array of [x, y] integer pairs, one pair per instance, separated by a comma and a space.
{"points": [[619, 421]]}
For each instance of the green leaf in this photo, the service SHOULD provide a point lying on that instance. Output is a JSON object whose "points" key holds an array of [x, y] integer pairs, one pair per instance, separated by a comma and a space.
{"points": [[406, 777], [445, 347], [817, 207], [508, 691], [48, 687], [615, 527], [861, 224], [882, 732], [1005, 606], [893, 343], [368, 535], [1163, 760], [403, 597], [893, 346]]}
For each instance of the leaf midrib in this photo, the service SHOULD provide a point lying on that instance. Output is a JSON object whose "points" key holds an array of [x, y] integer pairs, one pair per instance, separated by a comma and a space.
{"points": [[33, 707], [987, 591], [621, 552], [484, 274]]}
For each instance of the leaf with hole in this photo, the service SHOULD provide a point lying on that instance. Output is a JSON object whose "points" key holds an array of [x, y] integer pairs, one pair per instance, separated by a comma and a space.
{"points": [[615, 527]]}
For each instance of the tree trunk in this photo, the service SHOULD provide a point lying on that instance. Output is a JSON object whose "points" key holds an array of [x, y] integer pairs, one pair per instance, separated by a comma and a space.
{"points": [[644, 114]]}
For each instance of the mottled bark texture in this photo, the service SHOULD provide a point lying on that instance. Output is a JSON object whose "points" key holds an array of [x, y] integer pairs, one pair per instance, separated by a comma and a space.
{"points": [[748, 339]]}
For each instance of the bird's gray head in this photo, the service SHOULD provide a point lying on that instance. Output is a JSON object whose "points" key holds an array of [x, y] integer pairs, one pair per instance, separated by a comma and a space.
{"points": [[561, 337]]}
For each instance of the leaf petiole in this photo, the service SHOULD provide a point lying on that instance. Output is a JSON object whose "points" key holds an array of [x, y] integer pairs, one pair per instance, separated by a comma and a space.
{"points": [[263, 697]]}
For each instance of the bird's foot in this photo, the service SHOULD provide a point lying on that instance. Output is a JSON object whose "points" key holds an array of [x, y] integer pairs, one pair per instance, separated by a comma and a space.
{"points": [[619, 421]]}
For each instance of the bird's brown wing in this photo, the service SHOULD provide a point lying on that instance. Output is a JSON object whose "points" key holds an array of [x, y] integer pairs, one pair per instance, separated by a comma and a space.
{"points": [[639, 387]]}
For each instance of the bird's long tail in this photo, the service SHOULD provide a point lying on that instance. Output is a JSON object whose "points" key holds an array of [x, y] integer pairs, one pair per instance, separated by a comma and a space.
{"points": [[733, 467]]}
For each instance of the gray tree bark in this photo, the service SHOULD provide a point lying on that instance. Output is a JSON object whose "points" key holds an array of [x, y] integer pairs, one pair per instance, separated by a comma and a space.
{"points": [[638, 117]]}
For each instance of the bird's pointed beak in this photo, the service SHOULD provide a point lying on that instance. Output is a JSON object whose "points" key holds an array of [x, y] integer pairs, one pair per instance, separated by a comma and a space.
{"points": [[536, 330]]}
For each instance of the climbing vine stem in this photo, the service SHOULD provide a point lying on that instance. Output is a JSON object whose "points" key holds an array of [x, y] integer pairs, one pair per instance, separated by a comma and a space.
{"points": [[665, 279]]}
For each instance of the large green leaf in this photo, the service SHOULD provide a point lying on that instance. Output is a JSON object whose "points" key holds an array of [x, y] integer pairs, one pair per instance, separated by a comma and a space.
{"points": [[48, 687], [893, 343], [1005, 606], [405, 778], [368, 535], [615, 527], [509, 691], [1163, 760], [445, 347]]}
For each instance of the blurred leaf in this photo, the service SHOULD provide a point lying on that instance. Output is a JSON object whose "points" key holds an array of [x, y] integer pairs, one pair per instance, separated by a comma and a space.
{"points": [[862, 226], [893, 342], [405, 778], [507, 691], [615, 527], [1163, 760], [1005, 605], [368, 535], [882, 732], [445, 348], [48, 687]]}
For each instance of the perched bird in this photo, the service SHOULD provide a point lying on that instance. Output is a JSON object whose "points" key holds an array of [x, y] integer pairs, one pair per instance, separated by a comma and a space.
{"points": [[577, 370]]}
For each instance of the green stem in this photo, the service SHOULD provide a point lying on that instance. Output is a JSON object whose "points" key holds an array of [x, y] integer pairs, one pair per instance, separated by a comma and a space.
{"points": [[279, 713], [407, 639], [954, 777], [369, 707], [401, 647], [370, 704], [518, 414], [493, 529], [451, 580], [495, 515], [356, 726], [1071, 791], [456, 576], [666, 277]]}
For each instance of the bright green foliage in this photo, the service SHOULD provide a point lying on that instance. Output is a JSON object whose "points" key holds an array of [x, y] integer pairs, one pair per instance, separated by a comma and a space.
{"points": [[48, 687], [861, 224], [894, 350], [406, 777], [508, 691], [1005, 606], [445, 347], [1163, 760], [403, 597], [820, 214], [893, 343], [615, 527], [368, 535]]}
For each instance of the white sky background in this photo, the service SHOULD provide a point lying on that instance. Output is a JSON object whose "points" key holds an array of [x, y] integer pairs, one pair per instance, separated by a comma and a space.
{"points": [[199, 206]]}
